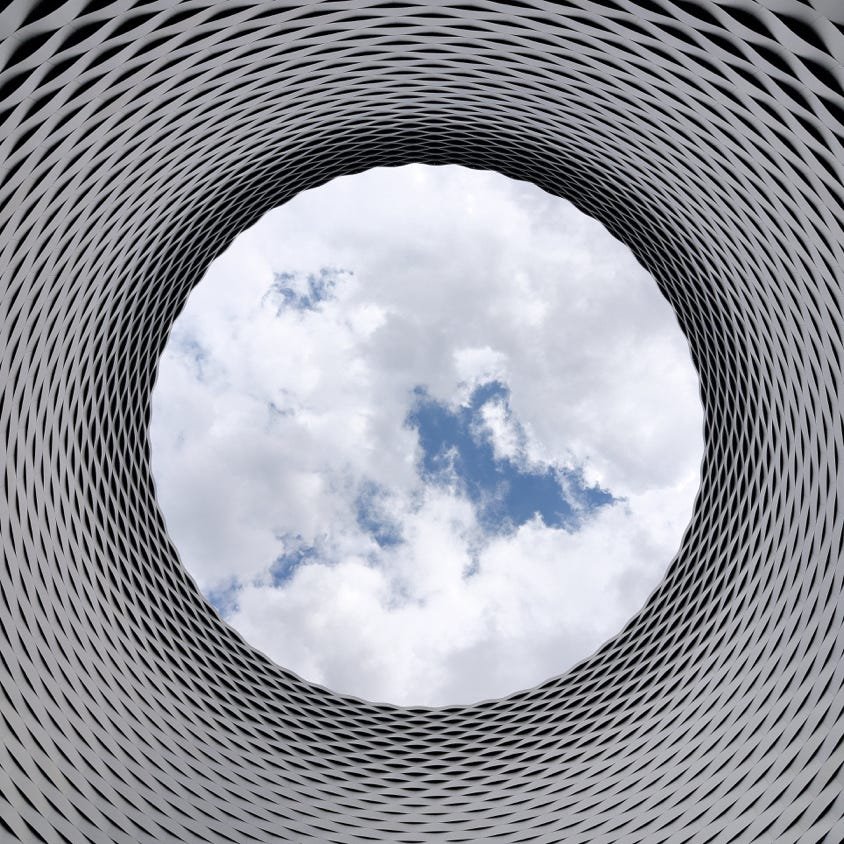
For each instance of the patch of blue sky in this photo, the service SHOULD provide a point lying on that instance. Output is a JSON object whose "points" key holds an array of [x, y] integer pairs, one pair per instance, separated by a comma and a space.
{"points": [[223, 597], [296, 553], [294, 291], [457, 450], [372, 517]]}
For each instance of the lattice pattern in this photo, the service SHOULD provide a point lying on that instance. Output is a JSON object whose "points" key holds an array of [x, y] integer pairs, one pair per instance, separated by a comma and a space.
{"points": [[139, 137]]}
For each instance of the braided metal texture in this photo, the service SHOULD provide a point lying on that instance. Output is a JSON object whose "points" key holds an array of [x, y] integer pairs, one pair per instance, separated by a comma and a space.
{"points": [[138, 138]]}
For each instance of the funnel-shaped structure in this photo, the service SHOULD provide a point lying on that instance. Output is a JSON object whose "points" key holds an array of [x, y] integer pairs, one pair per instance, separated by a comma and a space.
{"points": [[138, 138]]}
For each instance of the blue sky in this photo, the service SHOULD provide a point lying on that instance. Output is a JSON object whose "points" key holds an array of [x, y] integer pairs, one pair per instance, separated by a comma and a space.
{"points": [[303, 291], [426, 435], [456, 449]]}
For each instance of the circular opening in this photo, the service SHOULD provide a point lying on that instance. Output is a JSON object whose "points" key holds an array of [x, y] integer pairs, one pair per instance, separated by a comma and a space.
{"points": [[426, 435]]}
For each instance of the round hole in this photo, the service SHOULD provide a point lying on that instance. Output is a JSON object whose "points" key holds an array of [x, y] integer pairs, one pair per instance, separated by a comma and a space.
{"points": [[427, 435]]}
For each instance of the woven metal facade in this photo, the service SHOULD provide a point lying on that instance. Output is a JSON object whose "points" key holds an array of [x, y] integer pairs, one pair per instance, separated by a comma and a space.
{"points": [[138, 138]]}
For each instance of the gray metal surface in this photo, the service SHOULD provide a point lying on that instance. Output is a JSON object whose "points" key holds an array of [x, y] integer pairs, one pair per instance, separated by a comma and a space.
{"points": [[138, 138]]}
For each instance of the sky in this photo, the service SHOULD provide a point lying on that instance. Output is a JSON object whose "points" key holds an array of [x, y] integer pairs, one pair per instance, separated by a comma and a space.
{"points": [[426, 435]]}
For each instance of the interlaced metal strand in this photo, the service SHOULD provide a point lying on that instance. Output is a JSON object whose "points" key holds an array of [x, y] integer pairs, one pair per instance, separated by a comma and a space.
{"points": [[138, 138]]}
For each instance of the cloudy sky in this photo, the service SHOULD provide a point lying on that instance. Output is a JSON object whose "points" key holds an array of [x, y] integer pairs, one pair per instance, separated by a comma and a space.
{"points": [[426, 435]]}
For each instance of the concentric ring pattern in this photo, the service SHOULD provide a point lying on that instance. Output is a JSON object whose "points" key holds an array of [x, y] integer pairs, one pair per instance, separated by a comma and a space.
{"points": [[140, 137]]}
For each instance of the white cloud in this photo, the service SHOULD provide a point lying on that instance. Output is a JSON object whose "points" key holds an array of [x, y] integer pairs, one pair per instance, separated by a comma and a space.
{"points": [[449, 278]]}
